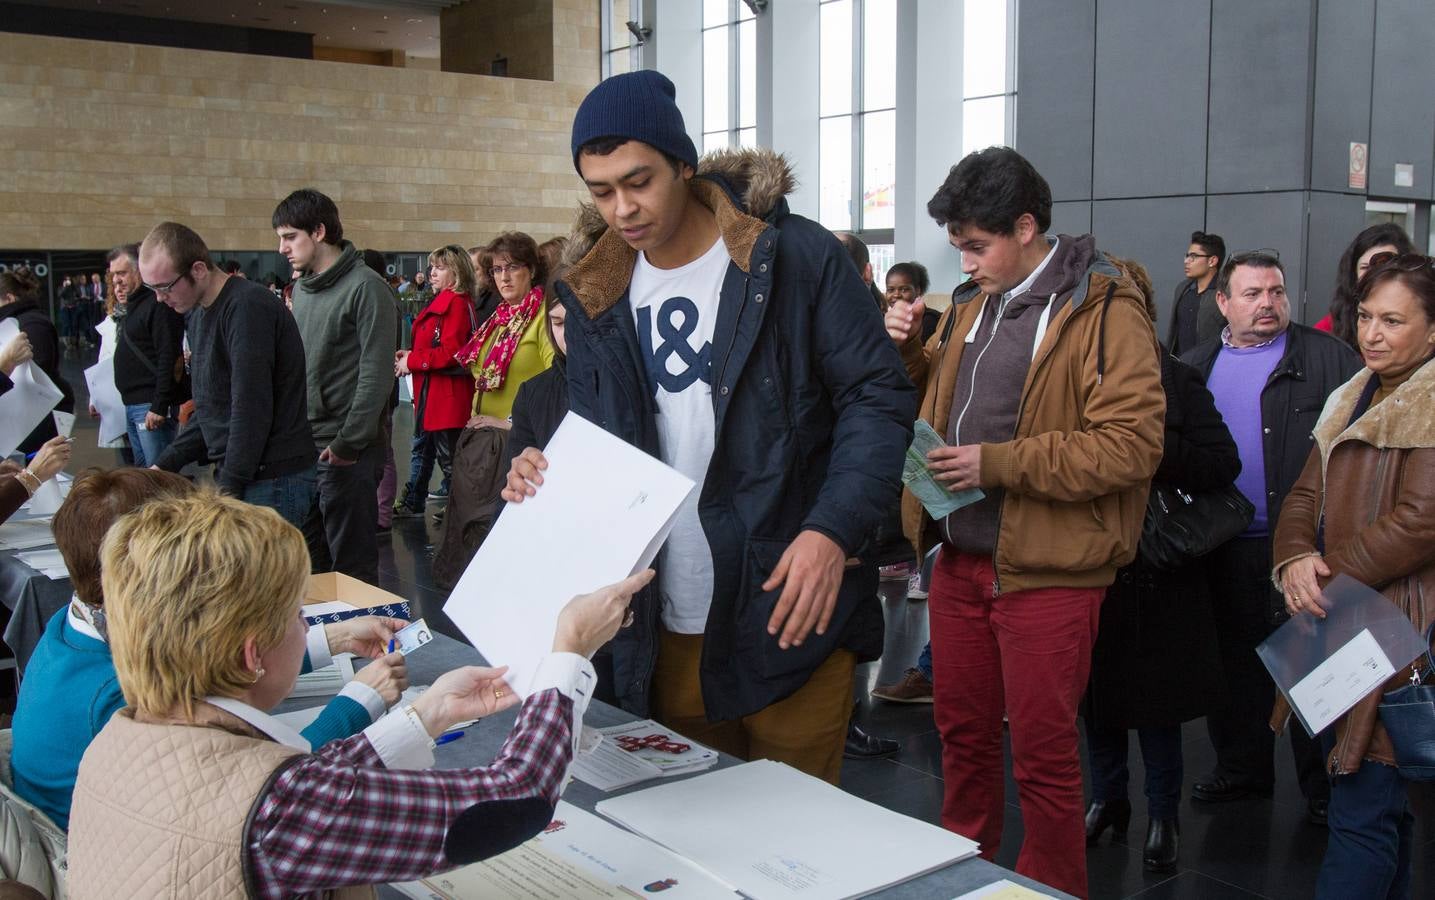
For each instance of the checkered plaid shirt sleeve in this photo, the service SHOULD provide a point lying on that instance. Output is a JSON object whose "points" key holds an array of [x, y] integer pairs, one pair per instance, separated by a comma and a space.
{"points": [[339, 818]]}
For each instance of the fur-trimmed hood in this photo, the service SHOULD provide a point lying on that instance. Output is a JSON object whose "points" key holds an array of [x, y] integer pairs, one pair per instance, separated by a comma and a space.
{"points": [[1404, 420], [746, 189]]}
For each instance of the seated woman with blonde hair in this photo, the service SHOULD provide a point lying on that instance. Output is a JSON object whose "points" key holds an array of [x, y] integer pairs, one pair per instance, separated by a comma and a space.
{"points": [[194, 790], [70, 691]]}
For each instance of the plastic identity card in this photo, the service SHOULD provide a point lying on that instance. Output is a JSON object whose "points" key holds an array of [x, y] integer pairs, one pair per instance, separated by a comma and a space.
{"points": [[1326, 666]]}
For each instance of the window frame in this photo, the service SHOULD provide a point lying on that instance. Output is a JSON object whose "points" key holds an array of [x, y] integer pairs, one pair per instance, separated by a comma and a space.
{"points": [[857, 114]]}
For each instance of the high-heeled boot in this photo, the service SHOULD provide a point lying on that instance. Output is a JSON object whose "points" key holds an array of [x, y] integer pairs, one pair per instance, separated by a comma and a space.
{"points": [[1103, 814]]}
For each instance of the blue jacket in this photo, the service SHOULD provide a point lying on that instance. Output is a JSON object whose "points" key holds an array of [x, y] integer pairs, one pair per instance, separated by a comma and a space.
{"points": [[813, 413]]}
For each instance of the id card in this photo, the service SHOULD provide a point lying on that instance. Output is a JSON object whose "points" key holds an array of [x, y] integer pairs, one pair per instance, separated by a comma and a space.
{"points": [[412, 637]]}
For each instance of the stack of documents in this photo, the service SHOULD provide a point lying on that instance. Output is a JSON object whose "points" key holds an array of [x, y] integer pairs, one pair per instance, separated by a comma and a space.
{"points": [[637, 752], [772, 832], [325, 682], [26, 534], [577, 857], [47, 562]]}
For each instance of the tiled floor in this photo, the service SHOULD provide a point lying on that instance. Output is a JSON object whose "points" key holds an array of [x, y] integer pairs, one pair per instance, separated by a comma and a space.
{"points": [[1245, 849]]}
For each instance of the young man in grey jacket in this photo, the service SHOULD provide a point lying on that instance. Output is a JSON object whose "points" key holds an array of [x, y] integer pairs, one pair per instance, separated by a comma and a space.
{"points": [[346, 317]]}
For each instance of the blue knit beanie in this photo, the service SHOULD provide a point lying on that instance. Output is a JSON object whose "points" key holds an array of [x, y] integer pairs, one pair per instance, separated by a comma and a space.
{"points": [[640, 106]]}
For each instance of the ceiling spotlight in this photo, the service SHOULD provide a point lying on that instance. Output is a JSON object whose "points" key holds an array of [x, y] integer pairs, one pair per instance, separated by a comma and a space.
{"points": [[640, 34]]}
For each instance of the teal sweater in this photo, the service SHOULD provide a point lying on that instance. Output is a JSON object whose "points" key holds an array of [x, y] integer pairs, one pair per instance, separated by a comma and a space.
{"points": [[68, 694]]}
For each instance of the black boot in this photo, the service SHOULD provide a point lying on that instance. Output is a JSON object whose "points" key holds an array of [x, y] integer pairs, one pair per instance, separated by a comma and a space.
{"points": [[1163, 842], [1103, 814]]}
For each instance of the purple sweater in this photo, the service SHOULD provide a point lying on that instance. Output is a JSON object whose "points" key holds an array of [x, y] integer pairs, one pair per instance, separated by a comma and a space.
{"points": [[1237, 380]]}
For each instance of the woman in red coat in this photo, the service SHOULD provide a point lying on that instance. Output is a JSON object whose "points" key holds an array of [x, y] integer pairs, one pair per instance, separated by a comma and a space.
{"points": [[442, 389]]}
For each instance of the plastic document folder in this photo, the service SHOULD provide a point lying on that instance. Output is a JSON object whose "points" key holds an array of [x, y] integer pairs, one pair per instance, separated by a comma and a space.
{"points": [[603, 511], [772, 832], [1326, 666]]}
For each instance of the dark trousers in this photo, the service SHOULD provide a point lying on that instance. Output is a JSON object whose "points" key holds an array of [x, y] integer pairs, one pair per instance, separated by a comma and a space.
{"points": [[1247, 609], [1368, 853], [1160, 754], [343, 525], [427, 448]]}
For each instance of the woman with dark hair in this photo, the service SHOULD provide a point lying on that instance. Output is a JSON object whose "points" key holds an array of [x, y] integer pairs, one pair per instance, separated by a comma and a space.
{"points": [[1387, 237], [19, 300], [909, 282], [1363, 507]]}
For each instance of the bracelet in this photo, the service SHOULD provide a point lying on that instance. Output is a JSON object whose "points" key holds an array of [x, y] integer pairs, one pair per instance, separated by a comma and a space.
{"points": [[29, 479]]}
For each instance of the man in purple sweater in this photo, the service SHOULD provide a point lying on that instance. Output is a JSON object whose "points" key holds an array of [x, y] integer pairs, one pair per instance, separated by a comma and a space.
{"points": [[1270, 378]]}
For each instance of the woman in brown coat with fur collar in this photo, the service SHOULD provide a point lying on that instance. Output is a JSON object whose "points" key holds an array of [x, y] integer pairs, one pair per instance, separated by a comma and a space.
{"points": [[1363, 507]]}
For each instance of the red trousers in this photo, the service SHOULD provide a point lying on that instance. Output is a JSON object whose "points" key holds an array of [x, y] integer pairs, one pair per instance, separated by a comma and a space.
{"points": [[1028, 654]]}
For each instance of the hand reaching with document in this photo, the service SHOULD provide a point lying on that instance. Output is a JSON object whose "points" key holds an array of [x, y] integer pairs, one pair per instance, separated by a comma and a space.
{"points": [[388, 675], [15, 352], [590, 621], [468, 693], [365, 636], [525, 475]]}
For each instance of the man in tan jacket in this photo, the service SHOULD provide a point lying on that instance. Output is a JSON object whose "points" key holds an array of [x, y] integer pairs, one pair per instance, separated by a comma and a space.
{"points": [[1044, 380]]}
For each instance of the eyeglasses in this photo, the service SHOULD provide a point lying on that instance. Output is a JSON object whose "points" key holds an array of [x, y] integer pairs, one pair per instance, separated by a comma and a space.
{"points": [[1191, 256], [510, 269], [166, 287], [1404, 262]]}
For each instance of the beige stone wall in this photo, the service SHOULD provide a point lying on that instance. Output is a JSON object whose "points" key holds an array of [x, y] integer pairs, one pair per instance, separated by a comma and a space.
{"points": [[100, 141]]}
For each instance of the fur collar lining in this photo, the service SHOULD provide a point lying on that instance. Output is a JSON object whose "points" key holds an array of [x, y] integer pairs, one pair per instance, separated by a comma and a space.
{"points": [[1404, 420], [760, 177]]}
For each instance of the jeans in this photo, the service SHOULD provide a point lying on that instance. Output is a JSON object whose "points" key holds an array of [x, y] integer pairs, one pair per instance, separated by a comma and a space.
{"points": [[342, 529], [147, 445], [1368, 853], [924, 662], [429, 447], [292, 496], [1161, 754], [1028, 654]]}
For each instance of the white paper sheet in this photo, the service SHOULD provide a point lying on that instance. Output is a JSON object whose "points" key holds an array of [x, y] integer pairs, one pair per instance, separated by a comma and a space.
{"points": [[106, 331], [772, 832], [578, 857], [603, 511], [105, 398], [64, 422], [42, 559], [1004, 889], [28, 402], [1337, 684], [26, 534], [50, 495]]}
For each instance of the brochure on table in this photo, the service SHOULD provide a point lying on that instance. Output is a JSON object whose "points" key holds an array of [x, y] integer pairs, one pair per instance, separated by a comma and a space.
{"points": [[1326, 666], [577, 857], [31, 397], [774, 833], [604, 508], [634, 752]]}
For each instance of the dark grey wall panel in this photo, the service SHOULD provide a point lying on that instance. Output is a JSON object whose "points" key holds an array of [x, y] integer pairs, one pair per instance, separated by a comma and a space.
{"points": [[1345, 35], [1251, 221], [1335, 220], [1260, 63], [1071, 217], [1151, 80], [1155, 233], [1055, 59], [1402, 121]]}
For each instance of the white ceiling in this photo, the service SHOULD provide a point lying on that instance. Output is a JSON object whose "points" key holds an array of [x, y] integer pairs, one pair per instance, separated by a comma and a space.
{"points": [[409, 25]]}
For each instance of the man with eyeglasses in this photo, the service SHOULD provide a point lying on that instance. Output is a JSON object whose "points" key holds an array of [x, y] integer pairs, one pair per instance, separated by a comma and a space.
{"points": [[1270, 378], [251, 418], [1195, 316], [347, 319]]}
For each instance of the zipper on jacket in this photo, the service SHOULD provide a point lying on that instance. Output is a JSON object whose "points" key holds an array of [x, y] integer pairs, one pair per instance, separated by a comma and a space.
{"points": [[972, 393]]}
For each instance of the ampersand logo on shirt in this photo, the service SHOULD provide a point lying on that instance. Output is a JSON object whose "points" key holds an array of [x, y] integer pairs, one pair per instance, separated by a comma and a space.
{"points": [[677, 320]]}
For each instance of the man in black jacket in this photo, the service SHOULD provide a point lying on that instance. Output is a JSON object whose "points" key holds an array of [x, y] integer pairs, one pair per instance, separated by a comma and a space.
{"points": [[1270, 378], [1195, 316], [149, 339]]}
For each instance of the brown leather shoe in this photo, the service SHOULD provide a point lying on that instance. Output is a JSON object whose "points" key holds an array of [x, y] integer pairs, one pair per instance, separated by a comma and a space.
{"points": [[913, 688]]}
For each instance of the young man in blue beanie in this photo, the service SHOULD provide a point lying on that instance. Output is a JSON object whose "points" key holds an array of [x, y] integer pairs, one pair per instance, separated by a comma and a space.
{"points": [[734, 340]]}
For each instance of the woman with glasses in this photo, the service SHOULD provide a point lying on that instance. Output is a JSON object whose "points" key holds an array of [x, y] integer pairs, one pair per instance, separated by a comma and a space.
{"points": [[1363, 508], [442, 389], [1387, 237]]}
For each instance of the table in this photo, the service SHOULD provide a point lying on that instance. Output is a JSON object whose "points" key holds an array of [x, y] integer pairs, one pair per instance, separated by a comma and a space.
{"points": [[32, 600], [481, 743]]}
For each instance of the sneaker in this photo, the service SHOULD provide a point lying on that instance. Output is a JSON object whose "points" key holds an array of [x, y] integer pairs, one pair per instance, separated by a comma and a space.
{"points": [[895, 572], [915, 591], [913, 688], [440, 494]]}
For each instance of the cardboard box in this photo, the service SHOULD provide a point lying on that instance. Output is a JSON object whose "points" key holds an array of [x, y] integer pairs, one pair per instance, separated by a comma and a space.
{"points": [[327, 587]]}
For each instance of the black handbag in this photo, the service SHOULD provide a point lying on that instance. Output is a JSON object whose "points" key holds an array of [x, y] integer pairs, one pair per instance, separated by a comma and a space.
{"points": [[1181, 527], [1408, 714]]}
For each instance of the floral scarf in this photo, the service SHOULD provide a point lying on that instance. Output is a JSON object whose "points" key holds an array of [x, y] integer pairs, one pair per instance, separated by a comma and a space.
{"points": [[509, 321]]}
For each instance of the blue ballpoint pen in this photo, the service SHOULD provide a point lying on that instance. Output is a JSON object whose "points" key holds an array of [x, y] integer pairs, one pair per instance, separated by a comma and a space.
{"points": [[447, 737]]}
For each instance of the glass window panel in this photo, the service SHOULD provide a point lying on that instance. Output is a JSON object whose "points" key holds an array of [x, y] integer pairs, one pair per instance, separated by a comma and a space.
{"points": [[835, 172], [715, 12], [715, 80], [622, 12], [717, 140], [879, 169], [983, 123], [747, 73], [984, 48], [747, 137], [883, 256], [619, 61], [879, 54], [835, 58]]}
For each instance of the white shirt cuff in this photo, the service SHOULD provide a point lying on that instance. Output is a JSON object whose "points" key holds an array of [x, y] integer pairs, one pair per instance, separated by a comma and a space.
{"points": [[366, 697], [574, 678], [318, 645], [401, 740]]}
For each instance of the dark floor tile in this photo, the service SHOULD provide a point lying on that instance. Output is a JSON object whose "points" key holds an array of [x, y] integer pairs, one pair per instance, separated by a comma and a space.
{"points": [[1190, 886], [871, 778]]}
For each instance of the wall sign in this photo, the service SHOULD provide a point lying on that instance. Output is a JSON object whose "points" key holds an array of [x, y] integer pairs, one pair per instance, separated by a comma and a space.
{"points": [[1359, 160]]}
